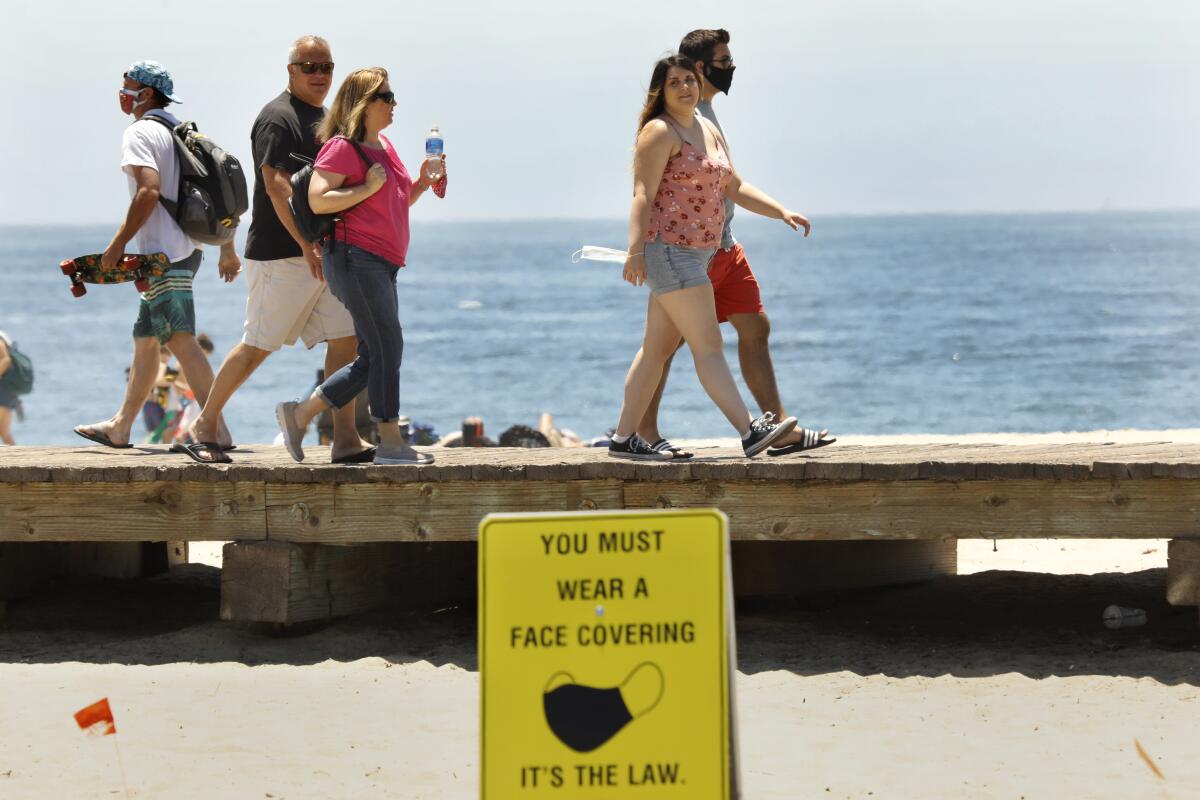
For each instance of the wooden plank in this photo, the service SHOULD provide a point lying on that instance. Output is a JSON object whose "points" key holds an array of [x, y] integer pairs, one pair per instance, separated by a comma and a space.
{"points": [[433, 511], [1021, 509], [152, 511], [1183, 572], [771, 569]]}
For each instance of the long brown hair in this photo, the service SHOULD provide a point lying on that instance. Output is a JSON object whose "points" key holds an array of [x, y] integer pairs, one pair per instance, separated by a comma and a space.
{"points": [[347, 115], [655, 102]]}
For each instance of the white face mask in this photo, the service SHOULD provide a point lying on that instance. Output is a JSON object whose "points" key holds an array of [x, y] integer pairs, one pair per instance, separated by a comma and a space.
{"points": [[134, 94], [591, 252]]}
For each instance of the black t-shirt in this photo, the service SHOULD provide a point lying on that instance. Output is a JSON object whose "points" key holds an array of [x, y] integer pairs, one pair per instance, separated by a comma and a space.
{"points": [[284, 126]]}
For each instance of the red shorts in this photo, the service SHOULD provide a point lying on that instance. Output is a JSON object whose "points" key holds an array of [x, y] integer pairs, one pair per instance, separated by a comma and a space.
{"points": [[734, 286]]}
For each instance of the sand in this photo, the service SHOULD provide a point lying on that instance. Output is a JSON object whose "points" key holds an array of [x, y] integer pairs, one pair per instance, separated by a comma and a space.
{"points": [[1000, 682]]}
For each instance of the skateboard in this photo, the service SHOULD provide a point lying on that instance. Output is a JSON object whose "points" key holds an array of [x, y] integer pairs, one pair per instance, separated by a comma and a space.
{"points": [[137, 268]]}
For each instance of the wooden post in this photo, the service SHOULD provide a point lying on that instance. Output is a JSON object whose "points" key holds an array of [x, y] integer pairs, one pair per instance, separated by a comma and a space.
{"points": [[286, 583], [767, 569], [1183, 572]]}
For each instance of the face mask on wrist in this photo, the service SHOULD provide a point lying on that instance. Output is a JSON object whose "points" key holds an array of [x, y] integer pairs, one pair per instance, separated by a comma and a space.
{"points": [[722, 79]]}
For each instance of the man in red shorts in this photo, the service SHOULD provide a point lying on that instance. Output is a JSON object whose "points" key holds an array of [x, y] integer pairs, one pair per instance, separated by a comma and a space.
{"points": [[735, 288]]}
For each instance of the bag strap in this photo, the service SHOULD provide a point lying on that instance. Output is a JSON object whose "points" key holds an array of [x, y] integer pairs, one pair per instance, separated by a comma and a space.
{"points": [[172, 206], [367, 163]]}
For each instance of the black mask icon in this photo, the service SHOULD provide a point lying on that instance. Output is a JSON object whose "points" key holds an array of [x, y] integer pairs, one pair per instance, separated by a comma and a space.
{"points": [[585, 717], [721, 79]]}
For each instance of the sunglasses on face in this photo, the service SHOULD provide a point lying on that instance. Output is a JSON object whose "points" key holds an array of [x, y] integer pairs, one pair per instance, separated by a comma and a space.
{"points": [[130, 92], [309, 67], [387, 97]]}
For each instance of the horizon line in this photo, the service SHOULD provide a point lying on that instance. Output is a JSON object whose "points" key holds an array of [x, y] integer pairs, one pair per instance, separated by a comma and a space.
{"points": [[831, 215]]}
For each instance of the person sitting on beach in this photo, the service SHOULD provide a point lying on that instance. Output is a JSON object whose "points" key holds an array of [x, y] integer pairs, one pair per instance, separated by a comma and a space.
{"points": [[287, 296], [735, 289], [359, 175], [682, 173], [167, 314]]}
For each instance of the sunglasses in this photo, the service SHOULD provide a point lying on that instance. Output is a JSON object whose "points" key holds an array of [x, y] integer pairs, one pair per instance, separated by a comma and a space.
{"points": [[309, 67], [387, 97]]}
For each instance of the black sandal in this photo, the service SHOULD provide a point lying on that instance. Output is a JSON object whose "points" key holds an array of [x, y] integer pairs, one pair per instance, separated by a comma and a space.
{"points": [[202, 452], [809, 440]]}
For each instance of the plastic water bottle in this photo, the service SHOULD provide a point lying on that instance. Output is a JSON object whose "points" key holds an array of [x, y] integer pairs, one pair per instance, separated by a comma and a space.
{"points": [[1121, 617], [434, 146]]}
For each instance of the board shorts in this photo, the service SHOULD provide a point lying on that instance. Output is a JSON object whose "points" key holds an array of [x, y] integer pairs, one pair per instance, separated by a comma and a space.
{"points": [[8, 399], [671, 267], [167, 307], [735, 288], [285, 303]]}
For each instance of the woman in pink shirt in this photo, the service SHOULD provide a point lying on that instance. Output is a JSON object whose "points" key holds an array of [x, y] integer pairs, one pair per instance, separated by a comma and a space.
{"points": [[681, 174], [358, 176]]}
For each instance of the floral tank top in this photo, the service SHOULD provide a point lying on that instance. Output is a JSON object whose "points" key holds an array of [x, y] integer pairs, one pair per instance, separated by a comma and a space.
{"points": [[689, 209]]}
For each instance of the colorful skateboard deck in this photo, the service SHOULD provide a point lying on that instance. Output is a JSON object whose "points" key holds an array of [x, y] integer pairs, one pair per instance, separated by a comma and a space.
{"points": [[137, 268]]}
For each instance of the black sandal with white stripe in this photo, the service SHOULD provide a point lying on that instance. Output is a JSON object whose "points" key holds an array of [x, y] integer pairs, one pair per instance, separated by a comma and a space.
{"points": [[809, 440]]}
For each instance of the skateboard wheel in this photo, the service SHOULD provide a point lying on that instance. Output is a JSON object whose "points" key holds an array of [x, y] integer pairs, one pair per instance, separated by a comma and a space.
{"points": [[78, 289], [67, 267], [142, 284], [130, 262]]}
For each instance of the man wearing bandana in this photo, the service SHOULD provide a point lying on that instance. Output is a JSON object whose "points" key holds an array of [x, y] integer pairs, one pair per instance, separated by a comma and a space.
{"points": [[735, 289], [167, 313]]}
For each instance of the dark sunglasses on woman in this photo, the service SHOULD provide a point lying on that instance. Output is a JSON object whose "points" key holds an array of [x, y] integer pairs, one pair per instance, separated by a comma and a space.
{"points": [[387, 97], [309, 67]]}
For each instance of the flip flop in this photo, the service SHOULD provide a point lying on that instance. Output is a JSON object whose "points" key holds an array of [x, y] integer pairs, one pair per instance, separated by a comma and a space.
{"points": [[676, 452], [361, 457], [198, 451], [100, 437], [293, 437], [177, 447], [809, 440]]}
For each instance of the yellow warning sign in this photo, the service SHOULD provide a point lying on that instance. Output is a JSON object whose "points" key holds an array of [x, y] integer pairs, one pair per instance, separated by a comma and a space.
{"points": [[604, 655]]}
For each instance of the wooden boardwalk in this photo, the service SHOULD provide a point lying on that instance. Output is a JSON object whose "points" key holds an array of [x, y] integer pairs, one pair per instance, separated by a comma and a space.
{"points": [[1149, 490], [285, 519]]}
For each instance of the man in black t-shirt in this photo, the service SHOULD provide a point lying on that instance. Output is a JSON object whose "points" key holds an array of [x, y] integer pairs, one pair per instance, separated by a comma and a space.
{"points": [[288, 298]]}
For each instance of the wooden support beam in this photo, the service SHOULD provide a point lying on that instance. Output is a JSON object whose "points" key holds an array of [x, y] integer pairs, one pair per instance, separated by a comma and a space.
{"points": [[773, 569], [450, 510], [1183, 572], [138, 511], [934, 509], [288, 583], [418, 512]]}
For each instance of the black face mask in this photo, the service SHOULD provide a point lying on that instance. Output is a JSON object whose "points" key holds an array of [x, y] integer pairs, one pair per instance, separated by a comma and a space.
{"points": [[722, 79]]}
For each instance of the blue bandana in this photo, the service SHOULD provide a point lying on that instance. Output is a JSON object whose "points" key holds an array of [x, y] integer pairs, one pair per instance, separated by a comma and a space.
{"points": [[154, 75]]}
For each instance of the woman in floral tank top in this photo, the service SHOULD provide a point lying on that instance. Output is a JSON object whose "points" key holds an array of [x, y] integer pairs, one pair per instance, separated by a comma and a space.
{"points": [[682, 174]]}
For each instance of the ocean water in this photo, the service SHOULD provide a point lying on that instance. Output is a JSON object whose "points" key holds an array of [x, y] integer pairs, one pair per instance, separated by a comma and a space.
{"points": [[938, 324]]}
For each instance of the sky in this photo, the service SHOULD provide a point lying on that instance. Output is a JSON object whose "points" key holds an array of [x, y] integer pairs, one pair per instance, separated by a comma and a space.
{"points": [[847, 107]]}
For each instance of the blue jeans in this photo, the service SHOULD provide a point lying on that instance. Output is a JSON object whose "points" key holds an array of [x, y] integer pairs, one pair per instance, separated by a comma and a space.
{"points": [[366, 285]]}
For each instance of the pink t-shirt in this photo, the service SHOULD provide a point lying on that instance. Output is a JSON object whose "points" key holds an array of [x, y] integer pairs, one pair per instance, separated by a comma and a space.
{"points": [[379, 224]]}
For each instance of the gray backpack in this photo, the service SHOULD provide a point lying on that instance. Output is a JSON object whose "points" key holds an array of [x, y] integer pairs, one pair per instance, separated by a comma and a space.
{"points": [[212, 186]]}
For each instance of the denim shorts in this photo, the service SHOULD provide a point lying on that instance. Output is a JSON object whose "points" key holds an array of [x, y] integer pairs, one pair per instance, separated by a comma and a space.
{"points": [[671, 267]]}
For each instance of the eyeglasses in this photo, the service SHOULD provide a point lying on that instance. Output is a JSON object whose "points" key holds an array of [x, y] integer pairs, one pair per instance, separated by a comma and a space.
{"points": [[309, 67], [387, 97], [130, 92]]}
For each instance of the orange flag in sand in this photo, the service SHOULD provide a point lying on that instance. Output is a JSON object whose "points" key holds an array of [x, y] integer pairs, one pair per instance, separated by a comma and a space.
{"points": [[97, 719]]}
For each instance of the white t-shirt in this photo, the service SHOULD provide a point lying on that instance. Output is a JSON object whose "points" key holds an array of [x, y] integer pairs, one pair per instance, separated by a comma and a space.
{"points": [[147, 143]]}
